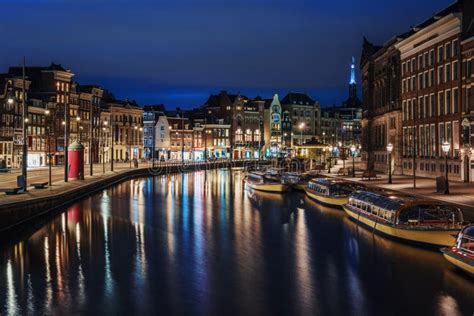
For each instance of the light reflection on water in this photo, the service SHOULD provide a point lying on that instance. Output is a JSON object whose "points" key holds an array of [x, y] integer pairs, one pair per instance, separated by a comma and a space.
{"points": [[200, 243]]}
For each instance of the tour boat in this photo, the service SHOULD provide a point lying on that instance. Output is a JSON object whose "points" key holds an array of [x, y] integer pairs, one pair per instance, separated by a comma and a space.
{"points": [[462, 253], [260, 181], [333, 192], [297, 180], [406, 218]]}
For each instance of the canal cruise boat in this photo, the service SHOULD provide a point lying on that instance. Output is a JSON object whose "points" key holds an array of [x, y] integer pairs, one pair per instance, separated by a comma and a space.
{"points": [[334, 192], [406, 218], [261, 181], [298, 180], [462, 253]]}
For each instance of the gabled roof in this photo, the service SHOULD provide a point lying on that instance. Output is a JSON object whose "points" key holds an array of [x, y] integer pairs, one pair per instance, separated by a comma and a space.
{"points": [[297, 98], [154, 108]]}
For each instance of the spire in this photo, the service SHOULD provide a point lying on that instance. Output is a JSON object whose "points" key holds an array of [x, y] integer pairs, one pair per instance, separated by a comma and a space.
{"points": [[353, 80]]}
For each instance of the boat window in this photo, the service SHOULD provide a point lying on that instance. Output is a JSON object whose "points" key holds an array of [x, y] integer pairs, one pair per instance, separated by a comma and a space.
{"points": [[430, 213]]}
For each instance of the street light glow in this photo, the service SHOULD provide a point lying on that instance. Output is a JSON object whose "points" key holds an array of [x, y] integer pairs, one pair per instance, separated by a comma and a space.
{"points": [[446, 146], [389, 147]]}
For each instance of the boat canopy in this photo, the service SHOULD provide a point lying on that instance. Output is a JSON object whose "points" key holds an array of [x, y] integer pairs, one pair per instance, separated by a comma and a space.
{"points": [[385, 202], [468, 231]]}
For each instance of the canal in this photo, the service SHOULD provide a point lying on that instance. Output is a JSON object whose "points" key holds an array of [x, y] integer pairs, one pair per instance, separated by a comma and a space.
{"points": [[199, 243]]}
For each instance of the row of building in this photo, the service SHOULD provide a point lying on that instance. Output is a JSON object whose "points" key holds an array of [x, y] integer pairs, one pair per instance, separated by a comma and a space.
{"points": [[418, 94], [225, 126]]}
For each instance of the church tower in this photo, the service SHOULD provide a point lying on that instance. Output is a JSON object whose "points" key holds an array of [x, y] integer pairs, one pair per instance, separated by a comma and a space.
{"points": [[352, 82]]}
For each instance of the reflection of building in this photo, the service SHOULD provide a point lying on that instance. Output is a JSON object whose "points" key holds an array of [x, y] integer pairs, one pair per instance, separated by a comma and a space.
{"points": [[305, 114], [381, 122], [151, 115], [272, 127]]}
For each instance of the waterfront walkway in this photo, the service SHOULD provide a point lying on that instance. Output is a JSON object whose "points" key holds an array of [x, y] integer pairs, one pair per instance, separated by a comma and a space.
{"points": [[461, 193]]}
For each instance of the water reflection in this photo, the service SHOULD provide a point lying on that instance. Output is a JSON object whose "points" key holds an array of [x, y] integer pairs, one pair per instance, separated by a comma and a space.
{"points": [[201, 243]]}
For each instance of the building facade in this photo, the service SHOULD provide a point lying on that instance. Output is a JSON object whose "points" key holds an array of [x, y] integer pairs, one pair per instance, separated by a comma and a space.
{"points": [[151, 115], [431, 102], [126, 123], [305, 116], [382, 115], [272, 134]]}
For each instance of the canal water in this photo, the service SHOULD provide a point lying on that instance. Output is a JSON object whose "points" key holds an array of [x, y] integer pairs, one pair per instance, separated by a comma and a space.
{"points": [[200, 243]]}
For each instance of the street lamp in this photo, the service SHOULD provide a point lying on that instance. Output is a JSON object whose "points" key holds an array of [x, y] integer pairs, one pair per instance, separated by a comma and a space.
{"points": [[389, 151], [48, 127], [301, 127], [446, 146], [353, 152]]}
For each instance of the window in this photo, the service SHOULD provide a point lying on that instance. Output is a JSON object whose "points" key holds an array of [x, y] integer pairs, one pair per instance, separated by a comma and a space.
{"points": [[441, 103], [432, 57], [420, 61], [440, 74], [448, 101], [404, 69], [440, 54], [413, 60], [455, 48], [455, 70], [448, 50], [447, 76], [425, 59], [432, 106], [455, 101], [432, 78]]}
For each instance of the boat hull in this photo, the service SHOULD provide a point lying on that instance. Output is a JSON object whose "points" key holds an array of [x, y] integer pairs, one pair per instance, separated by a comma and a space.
{"points": [[268, 187], [438, 238], [299, 186], [335, 201], [459, 261]]}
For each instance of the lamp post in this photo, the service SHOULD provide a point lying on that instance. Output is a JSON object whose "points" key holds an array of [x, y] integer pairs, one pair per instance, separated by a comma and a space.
{"points": [[301, 127], [353, 152], [47, 113], [446, 146], [389, 151], [329, 159]]}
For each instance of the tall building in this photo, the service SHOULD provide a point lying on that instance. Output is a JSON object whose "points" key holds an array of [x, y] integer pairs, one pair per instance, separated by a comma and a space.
{"points": [[347, 117], [50, 89], [381, 118], [245, 117], [431, 94], [151, 115], [126, 123], [272, 126], [305, 115], [467, 73]]}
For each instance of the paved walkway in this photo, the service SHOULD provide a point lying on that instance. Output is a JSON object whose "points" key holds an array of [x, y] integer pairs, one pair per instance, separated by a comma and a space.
{"points": [[58, 184], [461, 193]]}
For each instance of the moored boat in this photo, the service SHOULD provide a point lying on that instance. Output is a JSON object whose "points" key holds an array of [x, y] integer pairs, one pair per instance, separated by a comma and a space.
{"points": [[260, 181], [462, 253], [333, 192], [295, 179], [406, 218]]}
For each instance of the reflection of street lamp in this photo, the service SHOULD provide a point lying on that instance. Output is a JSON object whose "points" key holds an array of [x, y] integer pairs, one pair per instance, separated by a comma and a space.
{"points": [[353, 152], [389, 151], [330, 157], [446, 146]]}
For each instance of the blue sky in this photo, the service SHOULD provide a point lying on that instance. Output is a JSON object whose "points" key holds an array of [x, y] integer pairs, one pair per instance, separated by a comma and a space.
{"points": [[177, 52]]}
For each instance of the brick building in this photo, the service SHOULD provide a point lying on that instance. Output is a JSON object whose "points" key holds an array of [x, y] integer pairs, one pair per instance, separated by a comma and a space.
{"points": [[382, 115]]}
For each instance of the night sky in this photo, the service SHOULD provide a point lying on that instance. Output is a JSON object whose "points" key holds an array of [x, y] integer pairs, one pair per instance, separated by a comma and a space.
{"points": [[177, 52]]}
